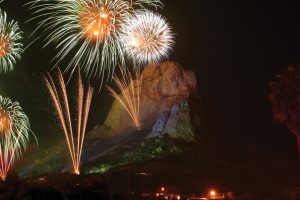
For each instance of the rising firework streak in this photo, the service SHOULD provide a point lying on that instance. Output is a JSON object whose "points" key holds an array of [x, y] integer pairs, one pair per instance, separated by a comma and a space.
{"points": [[74, 137]]}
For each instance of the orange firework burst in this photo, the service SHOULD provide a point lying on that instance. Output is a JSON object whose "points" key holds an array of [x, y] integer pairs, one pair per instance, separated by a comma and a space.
{"points": [[96, 22], [59, 96], [130, 96], [14, 130], [85, 32]]}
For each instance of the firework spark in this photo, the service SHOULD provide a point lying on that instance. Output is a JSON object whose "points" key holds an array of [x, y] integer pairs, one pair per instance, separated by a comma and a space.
{"points": [[147, 37], [10, 46], [14, 130], [130, 96], [58, 93], [85, 31]]}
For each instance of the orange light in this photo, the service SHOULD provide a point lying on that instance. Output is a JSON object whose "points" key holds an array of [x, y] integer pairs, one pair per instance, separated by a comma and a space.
{"points": [[3, 46], [4, 122], [96, 32], [162, 189], [95, 22], [77, 172], [103, 15], [212, 193]]}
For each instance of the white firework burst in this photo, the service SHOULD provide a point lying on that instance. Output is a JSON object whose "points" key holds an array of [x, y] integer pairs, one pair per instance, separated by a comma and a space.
{"points": [[10, 45], [146, 37], [85, 31]]}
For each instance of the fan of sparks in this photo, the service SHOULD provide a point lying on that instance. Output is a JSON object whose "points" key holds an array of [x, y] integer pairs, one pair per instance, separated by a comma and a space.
{"points": [[85, 32], [10, 46], [130, 93], [74, 137], [14, 131], [147, 37]]}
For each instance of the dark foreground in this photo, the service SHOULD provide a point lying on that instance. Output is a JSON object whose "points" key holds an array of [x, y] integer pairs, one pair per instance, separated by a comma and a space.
{"points": [[138, 183]]}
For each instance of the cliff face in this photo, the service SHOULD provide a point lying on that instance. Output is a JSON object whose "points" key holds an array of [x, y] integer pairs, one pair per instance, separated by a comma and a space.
{"points": [[164, 86]]}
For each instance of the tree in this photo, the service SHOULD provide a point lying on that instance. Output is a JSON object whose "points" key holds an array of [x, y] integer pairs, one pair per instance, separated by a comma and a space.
{"points": [[285, 100]]}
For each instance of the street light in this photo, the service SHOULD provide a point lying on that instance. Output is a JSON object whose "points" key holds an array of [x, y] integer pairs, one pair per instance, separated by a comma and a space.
{"points": [[212, 193]]}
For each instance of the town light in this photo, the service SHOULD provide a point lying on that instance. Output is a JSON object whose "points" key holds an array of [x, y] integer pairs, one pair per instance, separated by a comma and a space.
{"points": [[212, 193]]}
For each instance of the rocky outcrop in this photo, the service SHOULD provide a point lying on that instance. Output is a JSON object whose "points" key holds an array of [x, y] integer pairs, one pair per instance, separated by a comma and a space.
{"points": [[179, 125], [164, 86]]}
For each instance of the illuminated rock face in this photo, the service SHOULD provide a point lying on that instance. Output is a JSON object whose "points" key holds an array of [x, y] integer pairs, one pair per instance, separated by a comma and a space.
{"points": [[160, 124], [164, 86]]}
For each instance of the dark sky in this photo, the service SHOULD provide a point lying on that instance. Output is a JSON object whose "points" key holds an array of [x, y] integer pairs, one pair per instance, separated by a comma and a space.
{"points": [[236, 48]]}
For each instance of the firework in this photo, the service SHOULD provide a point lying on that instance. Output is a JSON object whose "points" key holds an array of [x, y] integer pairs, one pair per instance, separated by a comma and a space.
{"points": [[10, 46], [85, 31], [130, 96], [147, 37], [58, 93], [14, 130]]}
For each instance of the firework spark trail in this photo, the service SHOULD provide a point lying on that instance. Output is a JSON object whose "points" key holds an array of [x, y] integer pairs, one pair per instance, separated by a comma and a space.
{"points": [[14, 129], [58, 106], [5, 157], [8, 155], [60, 99], [130, 93], [10, 46], [85, 32], [85, 117], [146, 37]]}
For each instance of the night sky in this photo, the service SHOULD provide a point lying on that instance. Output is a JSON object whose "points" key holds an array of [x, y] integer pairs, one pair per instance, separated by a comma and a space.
{"points": [[235, 48]]}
